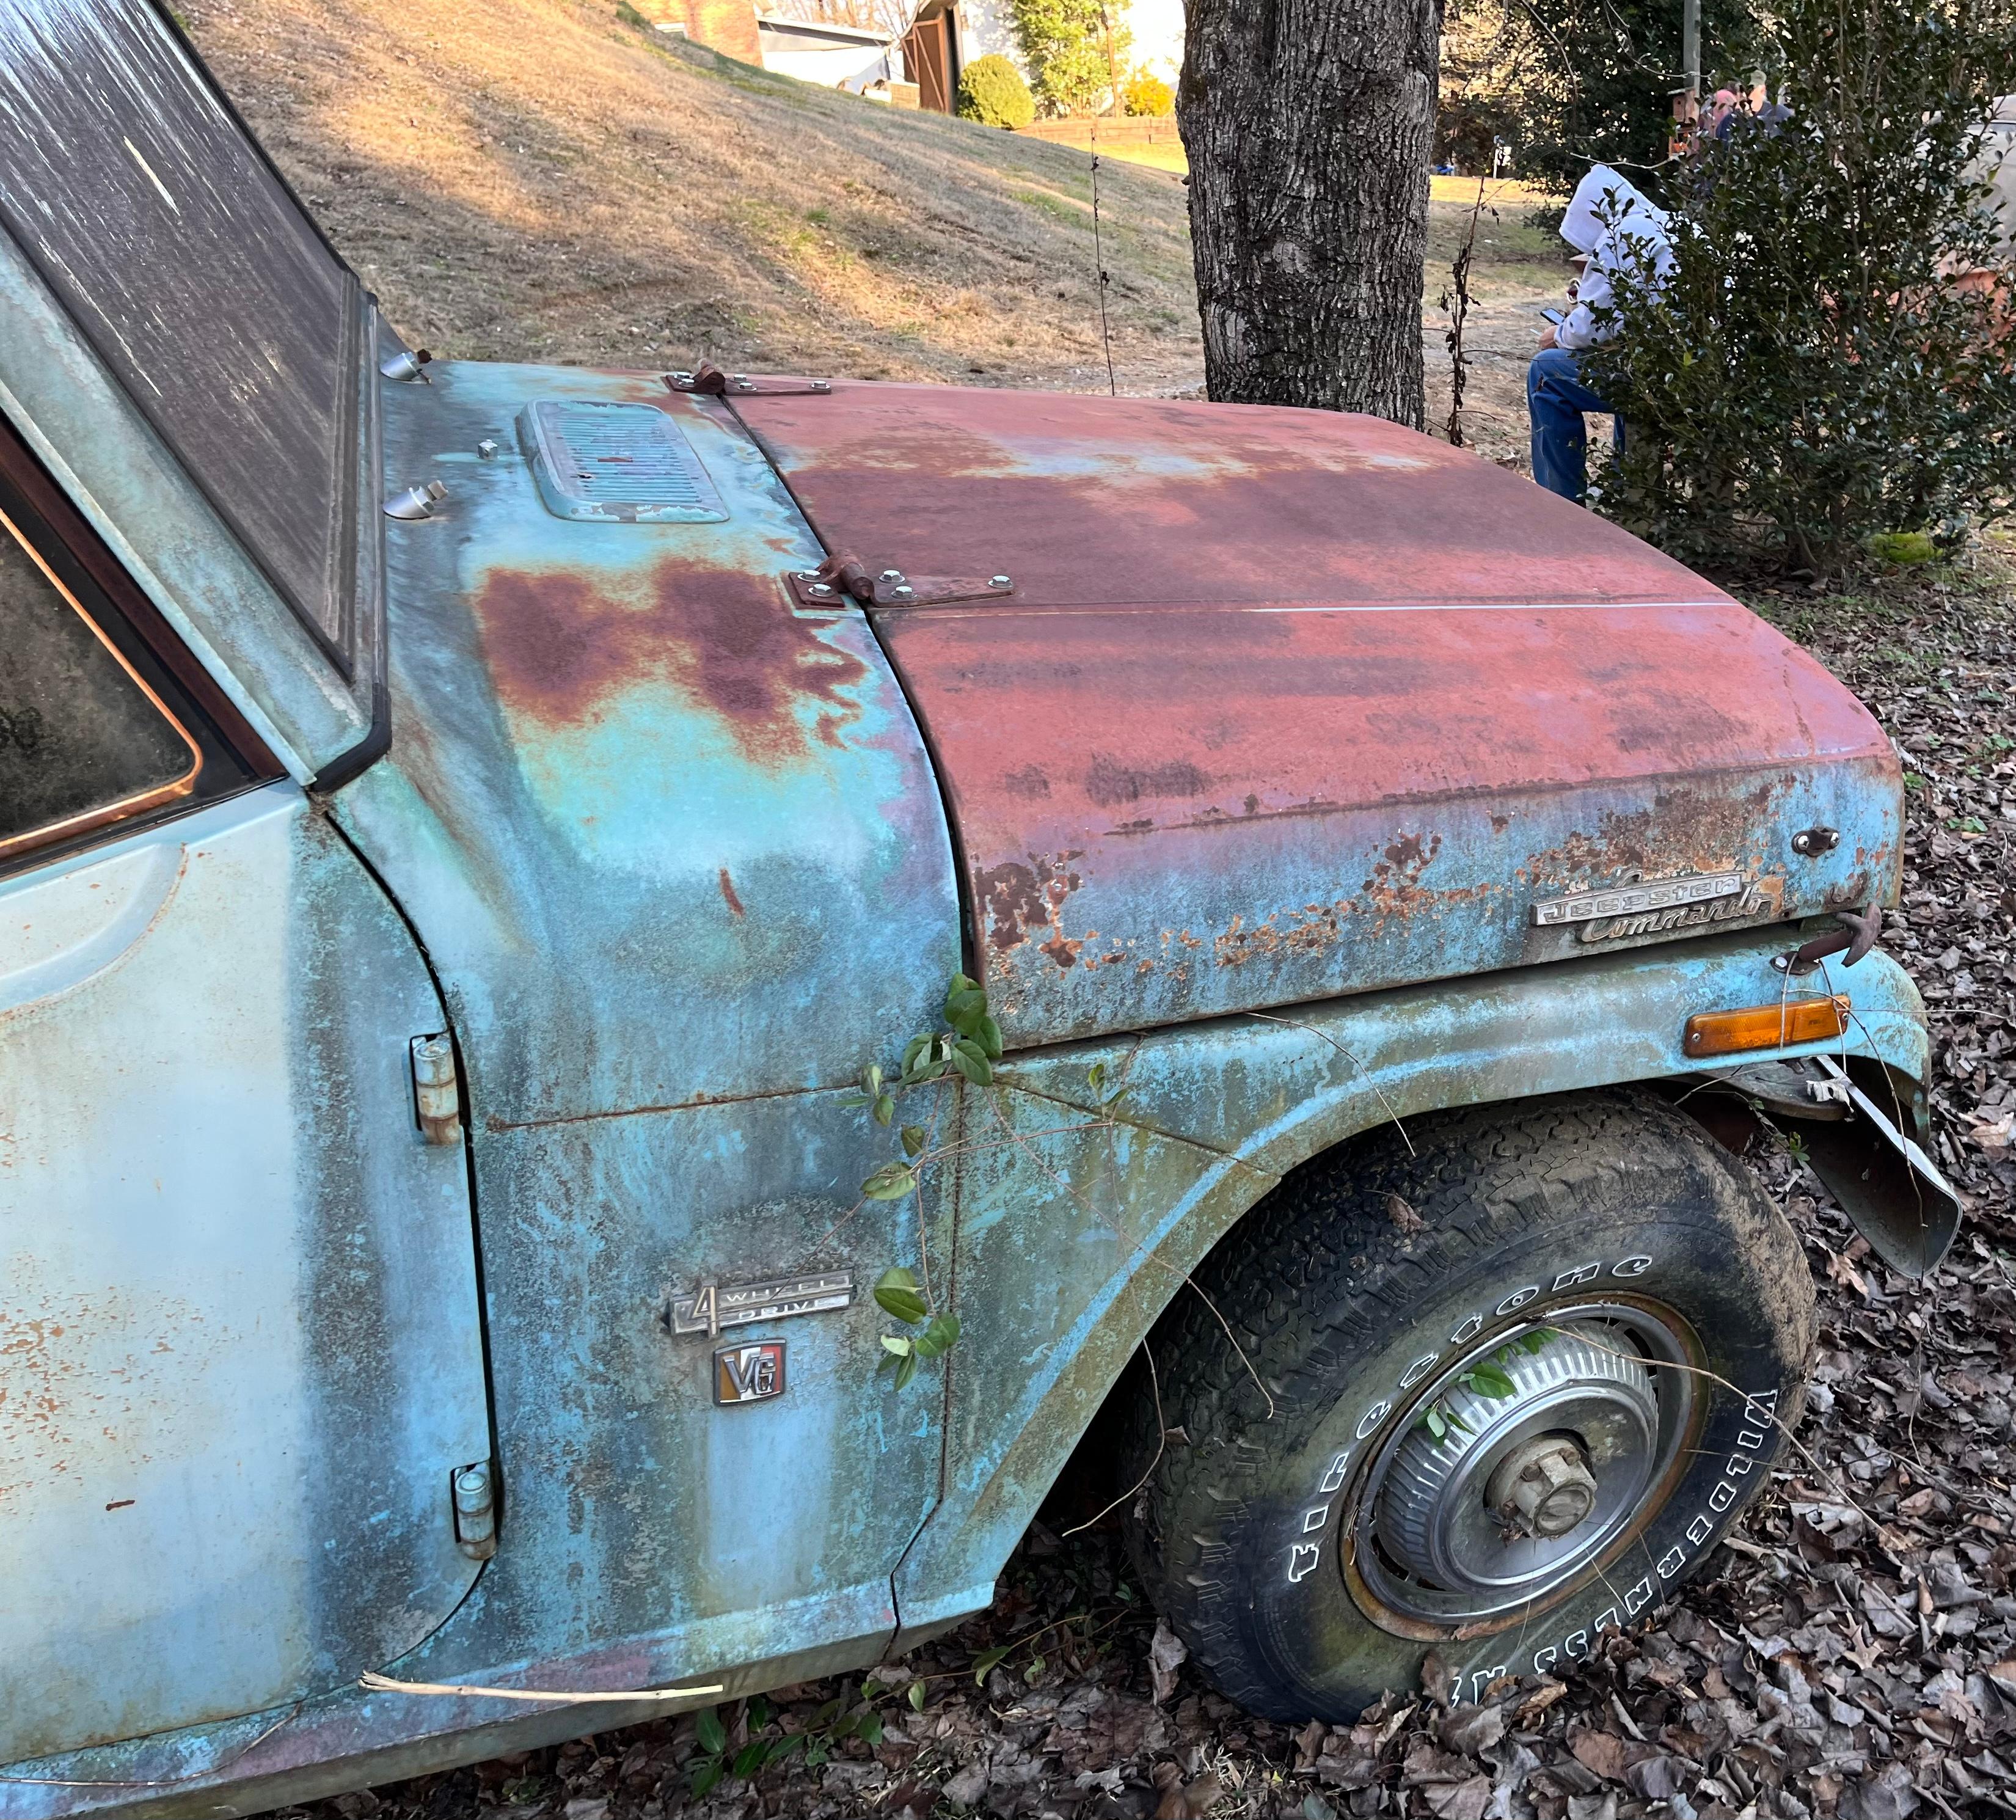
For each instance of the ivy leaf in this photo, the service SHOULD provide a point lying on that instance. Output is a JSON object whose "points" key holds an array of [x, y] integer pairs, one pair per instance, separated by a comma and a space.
{"points": [[965, 1004], [913, 1140], [706, 1774], [892, 1182], [987, 1661], [1489, 1379], [1533, 1342], [751, 1758], [939, 1337], [1436, 1426], [1034, 1673], [916, 1696], [885, 1110], [970, 1060], [712, 1734], [913, 1052], [868, 1727], [906, 1369], [896, 1293], [895, 1343], [987, 1033]]}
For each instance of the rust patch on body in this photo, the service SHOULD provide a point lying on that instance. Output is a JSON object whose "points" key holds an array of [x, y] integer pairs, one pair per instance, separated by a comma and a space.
{"points": [[1017, 900], [559, 649], [1283, 935], [1109, 783]]}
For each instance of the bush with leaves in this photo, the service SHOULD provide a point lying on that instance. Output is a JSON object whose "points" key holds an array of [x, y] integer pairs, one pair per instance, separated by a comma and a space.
{"points": [[1830, 357], [1070, 48], [1146, 96], [991, 90]]}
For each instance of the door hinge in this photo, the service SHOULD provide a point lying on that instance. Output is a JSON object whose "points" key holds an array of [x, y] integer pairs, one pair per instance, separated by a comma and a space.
{"points": [[475, 1498], [437, 1089]]}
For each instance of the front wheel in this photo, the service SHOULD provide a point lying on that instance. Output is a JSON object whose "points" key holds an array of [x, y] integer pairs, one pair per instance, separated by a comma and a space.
{"points": [[1521, 1378]]}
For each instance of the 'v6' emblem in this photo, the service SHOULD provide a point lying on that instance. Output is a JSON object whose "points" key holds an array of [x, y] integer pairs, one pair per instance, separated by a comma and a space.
{"points": [[749, 1373]]}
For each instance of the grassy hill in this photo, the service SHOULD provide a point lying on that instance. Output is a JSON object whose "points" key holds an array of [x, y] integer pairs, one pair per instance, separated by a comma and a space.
{"points": [[539, 179], [525, 179]]}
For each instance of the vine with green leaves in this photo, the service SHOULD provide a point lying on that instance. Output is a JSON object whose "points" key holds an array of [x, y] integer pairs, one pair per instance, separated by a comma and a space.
{"points": [[963, 1053]]}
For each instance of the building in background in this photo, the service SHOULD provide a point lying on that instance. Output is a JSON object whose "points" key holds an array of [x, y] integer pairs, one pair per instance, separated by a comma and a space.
{"points": [[796, 41], [725, 26]]}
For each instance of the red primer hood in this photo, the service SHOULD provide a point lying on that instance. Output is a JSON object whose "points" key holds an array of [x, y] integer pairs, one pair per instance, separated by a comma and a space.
{"points": [[1288, 703]]}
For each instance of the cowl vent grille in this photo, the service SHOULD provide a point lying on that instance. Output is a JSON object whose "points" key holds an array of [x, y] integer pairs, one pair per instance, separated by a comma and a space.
{"points": [[612, 463]]}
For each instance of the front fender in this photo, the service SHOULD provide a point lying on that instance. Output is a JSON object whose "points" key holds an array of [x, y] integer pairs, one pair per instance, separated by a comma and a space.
{"points": [[1075, 1229]]}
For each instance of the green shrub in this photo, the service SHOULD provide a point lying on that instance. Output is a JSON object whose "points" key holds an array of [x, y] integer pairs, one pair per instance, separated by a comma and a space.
{"points": [[1145, 95], [991, 90], [1070, 48], [1828, 359]]}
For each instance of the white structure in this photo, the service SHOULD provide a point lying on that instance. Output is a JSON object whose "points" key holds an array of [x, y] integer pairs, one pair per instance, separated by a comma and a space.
{"points": [[835, 56]]}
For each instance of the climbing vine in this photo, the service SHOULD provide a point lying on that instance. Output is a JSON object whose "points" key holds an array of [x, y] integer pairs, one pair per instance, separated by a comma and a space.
{"points": [[962, 1053]]}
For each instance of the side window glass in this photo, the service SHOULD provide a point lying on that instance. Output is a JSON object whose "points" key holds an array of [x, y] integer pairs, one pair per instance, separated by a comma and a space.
{"points": [[84, 741]]}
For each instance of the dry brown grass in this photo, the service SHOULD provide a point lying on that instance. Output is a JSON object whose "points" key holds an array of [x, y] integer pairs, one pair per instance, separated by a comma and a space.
{"points": [[535, 179], [538, 180]]}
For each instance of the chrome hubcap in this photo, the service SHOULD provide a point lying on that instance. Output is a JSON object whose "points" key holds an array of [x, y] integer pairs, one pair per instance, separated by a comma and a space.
{"points": [[1500, 1498]]}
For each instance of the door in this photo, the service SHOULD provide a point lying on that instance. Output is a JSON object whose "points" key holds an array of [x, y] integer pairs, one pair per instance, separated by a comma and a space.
{"points": [[240, 1352]]}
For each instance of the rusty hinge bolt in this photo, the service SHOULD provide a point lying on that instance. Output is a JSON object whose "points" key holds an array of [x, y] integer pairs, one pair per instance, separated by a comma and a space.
{"points": [[475, 1510], [437, 1090]]}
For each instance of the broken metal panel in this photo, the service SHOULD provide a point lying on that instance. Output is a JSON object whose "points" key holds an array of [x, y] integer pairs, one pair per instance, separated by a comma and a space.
{"points": [[1288, 704], [239, 1352], [668, 837], [1116, 1215]]}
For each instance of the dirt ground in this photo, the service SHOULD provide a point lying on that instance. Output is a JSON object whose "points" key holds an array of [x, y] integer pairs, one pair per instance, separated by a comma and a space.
{"points": [[538, 180], [533, 179]]}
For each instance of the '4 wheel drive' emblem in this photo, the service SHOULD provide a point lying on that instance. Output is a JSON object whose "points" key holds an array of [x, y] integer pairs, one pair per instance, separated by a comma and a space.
{"points": [[753, 1373]]}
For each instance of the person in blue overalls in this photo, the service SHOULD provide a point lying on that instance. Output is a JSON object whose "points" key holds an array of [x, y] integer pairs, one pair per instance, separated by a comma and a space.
{"points": [[1618, 228]]}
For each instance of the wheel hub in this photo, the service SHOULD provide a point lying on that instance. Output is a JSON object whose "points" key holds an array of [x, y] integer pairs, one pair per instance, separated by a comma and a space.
{"points": [[1520, 1490], [1543, 1486]]}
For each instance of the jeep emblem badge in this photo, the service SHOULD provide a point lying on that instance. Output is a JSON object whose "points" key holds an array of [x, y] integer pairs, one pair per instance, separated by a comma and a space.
{"points": [[753, 1373]]}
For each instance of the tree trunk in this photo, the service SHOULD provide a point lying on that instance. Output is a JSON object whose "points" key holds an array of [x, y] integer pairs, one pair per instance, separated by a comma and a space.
{"points": [[1308, 124]]}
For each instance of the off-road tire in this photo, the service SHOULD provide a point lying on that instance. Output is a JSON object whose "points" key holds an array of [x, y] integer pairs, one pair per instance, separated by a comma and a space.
{"points": [[1362, 1263]]}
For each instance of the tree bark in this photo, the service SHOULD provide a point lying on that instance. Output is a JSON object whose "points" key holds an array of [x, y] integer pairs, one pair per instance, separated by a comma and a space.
{"points": [[1308, 124]]}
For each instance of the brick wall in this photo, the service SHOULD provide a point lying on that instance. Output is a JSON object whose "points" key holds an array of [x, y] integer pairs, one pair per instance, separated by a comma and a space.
{"points": [[726, 25]]}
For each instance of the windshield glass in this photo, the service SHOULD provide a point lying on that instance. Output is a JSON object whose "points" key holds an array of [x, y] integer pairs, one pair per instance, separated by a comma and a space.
{"points": [[149, 212]]}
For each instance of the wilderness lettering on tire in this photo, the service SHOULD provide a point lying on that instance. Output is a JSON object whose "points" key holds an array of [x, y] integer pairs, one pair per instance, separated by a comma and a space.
{"points": [[1523, 1377]]}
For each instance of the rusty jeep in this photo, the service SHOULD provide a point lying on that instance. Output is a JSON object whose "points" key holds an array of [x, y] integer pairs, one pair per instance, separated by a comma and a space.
{"points": [[629, 1002]]}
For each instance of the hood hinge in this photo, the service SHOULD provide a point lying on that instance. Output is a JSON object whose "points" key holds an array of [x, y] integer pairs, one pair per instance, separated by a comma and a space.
{"points": [[842, 577], [709, 378]]}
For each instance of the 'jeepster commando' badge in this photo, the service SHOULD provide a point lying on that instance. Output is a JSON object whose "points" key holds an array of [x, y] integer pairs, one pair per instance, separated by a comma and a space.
{"points": [[1657, 906]]}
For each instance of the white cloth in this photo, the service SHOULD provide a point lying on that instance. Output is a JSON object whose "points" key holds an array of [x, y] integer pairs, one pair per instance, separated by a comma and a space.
{"points": [[1620, 229]]}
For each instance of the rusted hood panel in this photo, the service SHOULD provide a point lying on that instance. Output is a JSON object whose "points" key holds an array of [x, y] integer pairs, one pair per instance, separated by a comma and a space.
{"points": [[1286, 704]]}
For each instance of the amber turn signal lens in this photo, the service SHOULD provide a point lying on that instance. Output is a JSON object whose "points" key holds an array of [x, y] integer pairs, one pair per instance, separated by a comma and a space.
{"points": [[1779, 1026]]}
